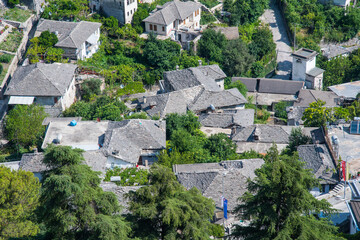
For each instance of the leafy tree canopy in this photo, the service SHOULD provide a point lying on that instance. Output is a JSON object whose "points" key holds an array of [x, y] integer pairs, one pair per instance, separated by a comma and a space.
{"points": [[280, 109], [239, 85], [316, 115], [297, 138], [166, 210], [24, 124], [73, 205], [279, 203], [19, 197], [211, 45]]}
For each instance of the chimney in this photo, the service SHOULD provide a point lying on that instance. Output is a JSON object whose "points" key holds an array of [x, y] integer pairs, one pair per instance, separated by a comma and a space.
{"points": [[144, 99], [200, 62], [146, 163], [177, 67]]}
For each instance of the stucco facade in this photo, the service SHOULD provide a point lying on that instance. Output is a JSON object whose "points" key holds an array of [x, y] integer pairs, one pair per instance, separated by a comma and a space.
{"points": [[122, 10]]}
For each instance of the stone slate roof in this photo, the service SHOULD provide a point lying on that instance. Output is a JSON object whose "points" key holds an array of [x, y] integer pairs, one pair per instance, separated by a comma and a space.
{"points": [[70, 34], [33, 162], [269, 85], [295, 113], [266, 134], [172, 102], [318, 158], [314, 72], [304, 53], [334, 50], [127, 139], [230, 33], [120, 192], [226, 98], [191, 77], [307, 96], [171, 11], [209, 178], [347, 90], [354, 207], [243, 118], [41, 79], [96, 159]]}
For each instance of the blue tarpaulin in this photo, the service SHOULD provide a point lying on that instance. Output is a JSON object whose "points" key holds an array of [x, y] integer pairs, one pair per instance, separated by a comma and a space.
{"points": [[225, 208]]}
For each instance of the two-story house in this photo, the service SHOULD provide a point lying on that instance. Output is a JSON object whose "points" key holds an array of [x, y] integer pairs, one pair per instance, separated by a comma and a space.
{"points": [[79, 40], [122, 10], [174, 19]]}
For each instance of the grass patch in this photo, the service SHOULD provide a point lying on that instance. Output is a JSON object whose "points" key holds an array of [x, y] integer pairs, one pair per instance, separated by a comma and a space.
{"points": [[206, 18], [12, 41], [210, 3], [15, 14], [5, 68]]}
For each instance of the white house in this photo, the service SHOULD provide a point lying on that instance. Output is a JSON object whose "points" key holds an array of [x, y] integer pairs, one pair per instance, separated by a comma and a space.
{"points": [[79, 40], [44, 84], [304, 69], [123, 10], [174, 19]]}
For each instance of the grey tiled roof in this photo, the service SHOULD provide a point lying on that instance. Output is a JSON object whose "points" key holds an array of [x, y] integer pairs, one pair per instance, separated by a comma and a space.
{"points": [[269, 85], [33, 162], [96, 159], [71, 34], [304, 53], [315, 72], [172, 102], [190, 77], [266, 134], [127, 139], [307, 96], [209, 178], [171, 11], [41, 79], [226, 98], [243, 118], [318, 158], [295, 113]]}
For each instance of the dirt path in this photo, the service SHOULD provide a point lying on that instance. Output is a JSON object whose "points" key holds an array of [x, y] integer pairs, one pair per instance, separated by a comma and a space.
{"points": [[273, 17]]}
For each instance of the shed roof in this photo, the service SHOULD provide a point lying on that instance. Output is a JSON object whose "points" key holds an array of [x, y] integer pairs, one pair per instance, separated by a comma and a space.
{"points": [[347, 90], [307, 96], [171, 11], [41, 79], [243, 118], [191, 77], [70, 34], [265, 134], [318, 158], [226, 98], [210, 177], [127, 139], [314, 72]]}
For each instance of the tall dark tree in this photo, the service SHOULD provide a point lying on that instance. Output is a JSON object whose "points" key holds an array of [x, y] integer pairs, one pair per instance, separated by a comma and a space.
{"points": [[73, 206], [237, 60], [211, 45], [166, 210], [279, 204], [262, 43], [245, 11]]}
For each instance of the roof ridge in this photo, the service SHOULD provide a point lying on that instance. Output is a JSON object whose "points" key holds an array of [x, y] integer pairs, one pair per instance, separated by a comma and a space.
{"points": [[70, 35], [312, 94], [49, 80], [162, 15], [177, 9]]}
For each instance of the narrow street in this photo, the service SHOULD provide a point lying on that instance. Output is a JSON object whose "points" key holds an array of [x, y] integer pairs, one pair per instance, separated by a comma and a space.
{"points": [[273, 17]]}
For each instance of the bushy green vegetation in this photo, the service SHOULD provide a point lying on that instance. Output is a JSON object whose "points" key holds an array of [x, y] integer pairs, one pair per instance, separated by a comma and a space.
{"points": [[128, 176], [236, 57], [15, 14], [206, 18], [239, 85], [209, 4], [90, 88], [187, 144], [66, 9], [280, 109], [6, 58], [12, 41], [315, 21], [261, 114]]}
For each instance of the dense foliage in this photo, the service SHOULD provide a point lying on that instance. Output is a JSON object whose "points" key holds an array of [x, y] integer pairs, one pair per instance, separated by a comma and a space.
{"points": [[19, 197], [244, 11], [166, 210], [237, 57], [103, 107], [72, 204], [239, 85], [24, 125], [65, 9], [279, 204], [296, 138], [128, 176], [280, 109]]}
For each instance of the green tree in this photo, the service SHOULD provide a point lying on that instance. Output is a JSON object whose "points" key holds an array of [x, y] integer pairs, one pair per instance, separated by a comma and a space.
{"points": [[175, 121], [19, 195], [238, 60], [279, 203], [211, 45], [47, 39], [166, 210], [221, 147], [138, 17], [239, 85], [245, 11], [250, 154], [12, 3], [280, 109], [90, 88], [72, 204], [24, 124], [316, 115], [262, 43], [168, 158], [297, 138], [54, 55]]}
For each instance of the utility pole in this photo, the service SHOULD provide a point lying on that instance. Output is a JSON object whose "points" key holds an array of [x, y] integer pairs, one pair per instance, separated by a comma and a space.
{"points": [[295, 38]]}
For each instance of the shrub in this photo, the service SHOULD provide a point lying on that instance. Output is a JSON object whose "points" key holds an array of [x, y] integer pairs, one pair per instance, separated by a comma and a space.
{"points": [[128, 176], [5, 58], [1, 68]]}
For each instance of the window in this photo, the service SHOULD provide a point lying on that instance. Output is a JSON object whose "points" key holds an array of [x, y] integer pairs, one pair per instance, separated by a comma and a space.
{"points": [[174, 24], [128, 2], [163, 29], [155, 27], [151, 27], [128, 13]]}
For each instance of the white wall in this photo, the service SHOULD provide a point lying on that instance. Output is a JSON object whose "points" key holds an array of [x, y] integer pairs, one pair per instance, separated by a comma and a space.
{"points": [[220, 83], [129, 9], [115, 162], [298, 69], [69, 97]]}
